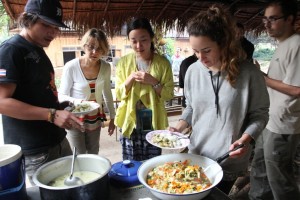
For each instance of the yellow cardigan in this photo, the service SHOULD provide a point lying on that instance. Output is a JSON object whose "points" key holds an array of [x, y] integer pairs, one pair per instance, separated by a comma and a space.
{"points": [[126, 112]]}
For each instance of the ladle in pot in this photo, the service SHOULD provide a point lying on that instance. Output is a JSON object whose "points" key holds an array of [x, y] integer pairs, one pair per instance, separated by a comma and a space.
{"points": [[73, 180]]}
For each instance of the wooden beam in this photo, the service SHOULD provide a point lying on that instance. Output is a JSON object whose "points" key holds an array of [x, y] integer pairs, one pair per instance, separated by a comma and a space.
{"points": [[254, 16], [106, 7], [188, 9], [139, 8], [233, 3], [74, 10], [8, 9], [236, 12], [163, 10]]}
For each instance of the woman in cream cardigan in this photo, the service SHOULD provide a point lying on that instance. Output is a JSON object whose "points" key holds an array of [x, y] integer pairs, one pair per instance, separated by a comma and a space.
{"points": [[87, 78]]}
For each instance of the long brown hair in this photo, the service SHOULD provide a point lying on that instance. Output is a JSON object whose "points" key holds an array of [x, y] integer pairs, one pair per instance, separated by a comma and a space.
{"points": [[217, 24]]}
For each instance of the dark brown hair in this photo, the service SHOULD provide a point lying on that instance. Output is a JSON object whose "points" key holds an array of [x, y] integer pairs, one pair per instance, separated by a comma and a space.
{"points": [[288, 7], [141, 23], [217, 24], [27, 19]]}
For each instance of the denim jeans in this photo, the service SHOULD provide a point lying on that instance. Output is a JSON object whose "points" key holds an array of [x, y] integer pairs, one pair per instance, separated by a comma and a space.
{"points": [[271, 175]]}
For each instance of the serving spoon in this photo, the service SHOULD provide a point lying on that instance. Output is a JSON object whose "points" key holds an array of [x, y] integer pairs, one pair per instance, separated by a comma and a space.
{"points": [[223, 157], [73, 180]]}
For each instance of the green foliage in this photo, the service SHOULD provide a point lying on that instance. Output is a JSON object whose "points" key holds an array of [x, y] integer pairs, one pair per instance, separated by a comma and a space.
{"points": [[263, 54], [2, 10], [4, 21], [169, 46]]}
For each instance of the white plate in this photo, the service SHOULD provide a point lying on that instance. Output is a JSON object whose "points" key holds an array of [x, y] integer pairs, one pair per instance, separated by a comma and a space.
{"points": [[93, 105], [184, 142]]}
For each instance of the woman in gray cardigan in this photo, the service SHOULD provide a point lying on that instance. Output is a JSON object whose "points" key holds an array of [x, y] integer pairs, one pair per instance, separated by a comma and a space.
{"points": [[226, 96]]}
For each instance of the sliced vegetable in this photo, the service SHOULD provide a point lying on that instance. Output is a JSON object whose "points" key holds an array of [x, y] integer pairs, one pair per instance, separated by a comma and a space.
{"points": [[178, 178]]}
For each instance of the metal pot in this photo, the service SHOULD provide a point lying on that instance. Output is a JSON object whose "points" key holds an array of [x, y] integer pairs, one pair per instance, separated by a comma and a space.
{"points": [[96, 189]]}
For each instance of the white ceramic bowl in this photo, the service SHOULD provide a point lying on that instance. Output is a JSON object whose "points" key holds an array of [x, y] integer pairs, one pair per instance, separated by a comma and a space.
{"points": [[214, 173]]}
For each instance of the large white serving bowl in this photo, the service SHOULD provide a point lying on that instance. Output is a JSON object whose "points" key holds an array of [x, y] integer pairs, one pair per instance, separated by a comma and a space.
{"points": [[214, 173]]}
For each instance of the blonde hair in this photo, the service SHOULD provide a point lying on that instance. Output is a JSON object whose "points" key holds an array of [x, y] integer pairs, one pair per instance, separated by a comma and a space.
{"points": [[217, 24], [101, 38]]}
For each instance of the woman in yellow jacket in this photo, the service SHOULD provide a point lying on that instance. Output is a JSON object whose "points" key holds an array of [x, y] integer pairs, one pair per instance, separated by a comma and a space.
{"points": [[144, 81]]}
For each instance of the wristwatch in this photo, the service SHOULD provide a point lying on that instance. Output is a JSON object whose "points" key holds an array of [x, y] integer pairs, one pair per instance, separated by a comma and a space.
{"points": [[157, 85]]}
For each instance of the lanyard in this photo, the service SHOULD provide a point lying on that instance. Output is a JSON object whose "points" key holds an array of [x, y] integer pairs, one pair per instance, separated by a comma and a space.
{"points": [[216, 89]]}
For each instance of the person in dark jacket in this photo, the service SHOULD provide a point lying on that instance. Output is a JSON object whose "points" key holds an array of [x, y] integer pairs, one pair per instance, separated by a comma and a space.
{"points": [[183, 68], [246, 44]]}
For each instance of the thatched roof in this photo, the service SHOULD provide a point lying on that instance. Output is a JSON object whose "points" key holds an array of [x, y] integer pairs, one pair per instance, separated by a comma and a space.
{"points": [[112, 14]]}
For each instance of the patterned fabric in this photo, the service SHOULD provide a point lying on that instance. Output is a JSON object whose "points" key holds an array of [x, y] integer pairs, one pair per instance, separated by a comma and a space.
{"points": [[92, 84], [93, 120], [137, 147]]}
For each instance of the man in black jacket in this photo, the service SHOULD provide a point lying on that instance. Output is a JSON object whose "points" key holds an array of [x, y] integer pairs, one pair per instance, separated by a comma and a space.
{"points": [[246, 44], [183, 68]]}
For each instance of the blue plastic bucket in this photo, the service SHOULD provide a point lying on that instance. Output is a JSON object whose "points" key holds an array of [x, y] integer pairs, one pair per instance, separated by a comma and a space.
{"points": [[11, 167], [16, 193]]}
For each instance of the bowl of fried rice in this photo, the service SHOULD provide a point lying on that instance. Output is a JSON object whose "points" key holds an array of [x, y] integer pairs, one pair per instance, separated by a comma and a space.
{"points": [[180, 176]]}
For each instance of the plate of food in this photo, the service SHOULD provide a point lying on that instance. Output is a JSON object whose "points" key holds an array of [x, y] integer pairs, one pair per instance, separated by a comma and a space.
{"points": [[167, 140], [84, 107]]}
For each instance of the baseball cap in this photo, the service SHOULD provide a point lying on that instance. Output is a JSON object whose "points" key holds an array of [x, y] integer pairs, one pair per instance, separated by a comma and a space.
{"points": [[48, 10]]}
